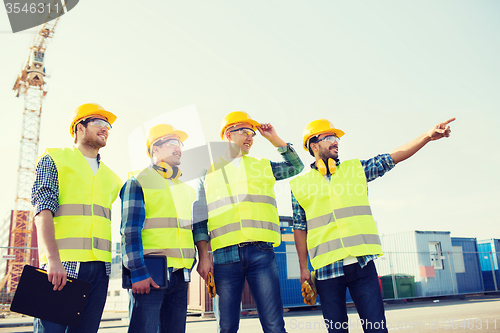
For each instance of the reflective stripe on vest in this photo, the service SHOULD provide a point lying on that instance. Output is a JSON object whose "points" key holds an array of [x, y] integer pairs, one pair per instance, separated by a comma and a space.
{"points": [[241, 198], [166, 222], [244, 224], [350, 241], [172, 253], [339, 218], [85, 210], [84, 244], [82, 222], [241, 203], [340, 214]]}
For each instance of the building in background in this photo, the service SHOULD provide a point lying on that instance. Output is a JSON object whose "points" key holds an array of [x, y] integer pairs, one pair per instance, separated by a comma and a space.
{"points": [[4, 243]]}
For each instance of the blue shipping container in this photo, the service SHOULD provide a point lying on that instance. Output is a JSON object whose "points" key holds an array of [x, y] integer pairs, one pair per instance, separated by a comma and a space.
{"points": [[489, 257], [466, 264]]}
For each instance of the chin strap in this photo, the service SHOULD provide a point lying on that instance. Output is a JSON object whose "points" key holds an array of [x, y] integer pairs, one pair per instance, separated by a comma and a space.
{"points": [[323, 170], [167, 171]]}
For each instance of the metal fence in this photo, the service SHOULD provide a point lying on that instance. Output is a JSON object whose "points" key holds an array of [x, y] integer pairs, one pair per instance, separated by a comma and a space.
{"points": [[402, 275]]}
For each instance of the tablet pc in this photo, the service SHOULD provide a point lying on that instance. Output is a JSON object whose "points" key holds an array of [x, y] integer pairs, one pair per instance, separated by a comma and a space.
{"points": [[157, 268]]}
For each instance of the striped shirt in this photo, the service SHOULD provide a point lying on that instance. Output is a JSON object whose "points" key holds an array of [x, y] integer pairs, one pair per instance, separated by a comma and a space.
{"points": [[374, 167], [45, 195], [291, 166]]}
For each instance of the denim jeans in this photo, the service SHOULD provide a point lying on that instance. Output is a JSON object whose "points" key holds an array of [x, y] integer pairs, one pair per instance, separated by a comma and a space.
{"points": [[162, 310], [95, 273], [258, 265], [364, 287]]}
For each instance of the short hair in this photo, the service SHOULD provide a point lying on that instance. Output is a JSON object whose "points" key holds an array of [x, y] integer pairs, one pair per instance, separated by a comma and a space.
{"points": [[84, 122], [313, 139]]}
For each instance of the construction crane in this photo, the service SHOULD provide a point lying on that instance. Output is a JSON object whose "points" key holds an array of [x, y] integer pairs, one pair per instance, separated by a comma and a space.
{"points": [[30, 84]]}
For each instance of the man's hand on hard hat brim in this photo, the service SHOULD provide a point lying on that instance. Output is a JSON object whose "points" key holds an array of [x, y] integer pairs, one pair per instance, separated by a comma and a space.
{"points": [[267, 131]]}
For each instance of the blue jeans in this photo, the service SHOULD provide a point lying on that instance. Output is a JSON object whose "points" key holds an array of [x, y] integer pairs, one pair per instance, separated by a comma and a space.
{"points": [[364, 287], [258, 265], [162, 310], [95, 273]]}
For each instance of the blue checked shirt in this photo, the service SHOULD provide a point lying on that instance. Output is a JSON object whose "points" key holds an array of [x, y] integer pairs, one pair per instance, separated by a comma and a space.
{"points": [[45, 195], [374, 167], [291, 166], [133, 218]]}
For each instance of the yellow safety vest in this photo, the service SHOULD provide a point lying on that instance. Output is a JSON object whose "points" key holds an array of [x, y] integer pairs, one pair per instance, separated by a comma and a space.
{"points": [[167, 228], [339, 218], [241, 203], [82, 222]]}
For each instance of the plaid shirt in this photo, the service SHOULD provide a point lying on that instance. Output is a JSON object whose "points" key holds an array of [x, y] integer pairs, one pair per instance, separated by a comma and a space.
{"points": [[291, 166], [374, 167], [45, 195], [133, 218]]}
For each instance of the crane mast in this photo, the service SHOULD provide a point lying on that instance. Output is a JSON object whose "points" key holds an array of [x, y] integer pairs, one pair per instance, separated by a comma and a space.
{"points": [[30, 84]]}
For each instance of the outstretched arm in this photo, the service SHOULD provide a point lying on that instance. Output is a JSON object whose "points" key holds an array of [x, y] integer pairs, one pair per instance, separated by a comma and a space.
{"points": [[441, 130]]}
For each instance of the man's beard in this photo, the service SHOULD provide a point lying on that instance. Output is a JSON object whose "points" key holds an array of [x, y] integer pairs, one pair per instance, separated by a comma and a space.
{"points": [[92, 143], [326, 154]]}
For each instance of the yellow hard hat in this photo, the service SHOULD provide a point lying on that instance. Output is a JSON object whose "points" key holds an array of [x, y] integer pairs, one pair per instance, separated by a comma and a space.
{"points": [[317, 127], [237, 117], [157, 132], [89, 109]]}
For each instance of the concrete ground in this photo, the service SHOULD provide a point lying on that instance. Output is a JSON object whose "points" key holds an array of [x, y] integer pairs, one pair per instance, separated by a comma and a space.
{"points": [[474, 313]]}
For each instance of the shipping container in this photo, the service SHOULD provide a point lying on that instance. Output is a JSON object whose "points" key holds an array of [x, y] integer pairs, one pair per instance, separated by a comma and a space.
{"points": [[489, 257], [425, 256], [467, 267]]}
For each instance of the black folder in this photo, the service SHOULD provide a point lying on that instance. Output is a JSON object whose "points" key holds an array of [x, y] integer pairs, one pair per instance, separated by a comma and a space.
{"points": [[157, 268], [35, 296]]}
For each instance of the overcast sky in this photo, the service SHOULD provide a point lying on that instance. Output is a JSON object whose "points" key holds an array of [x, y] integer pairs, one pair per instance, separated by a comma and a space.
{"points": [[382, 71]]}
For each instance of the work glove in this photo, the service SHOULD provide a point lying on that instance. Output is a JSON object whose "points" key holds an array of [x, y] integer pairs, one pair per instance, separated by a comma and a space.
{"points": [[309, 292], [211, 285]]}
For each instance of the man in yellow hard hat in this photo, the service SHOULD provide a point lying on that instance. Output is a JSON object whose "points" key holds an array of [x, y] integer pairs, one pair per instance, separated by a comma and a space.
{"points": [[236, 200], [72, 195], [156, 221], [333, 223]]}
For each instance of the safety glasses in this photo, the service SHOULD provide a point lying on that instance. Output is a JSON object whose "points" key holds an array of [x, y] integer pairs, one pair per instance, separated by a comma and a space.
{"points": [[171, 143], [244, 130], [330, 138], [97, 122]]}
